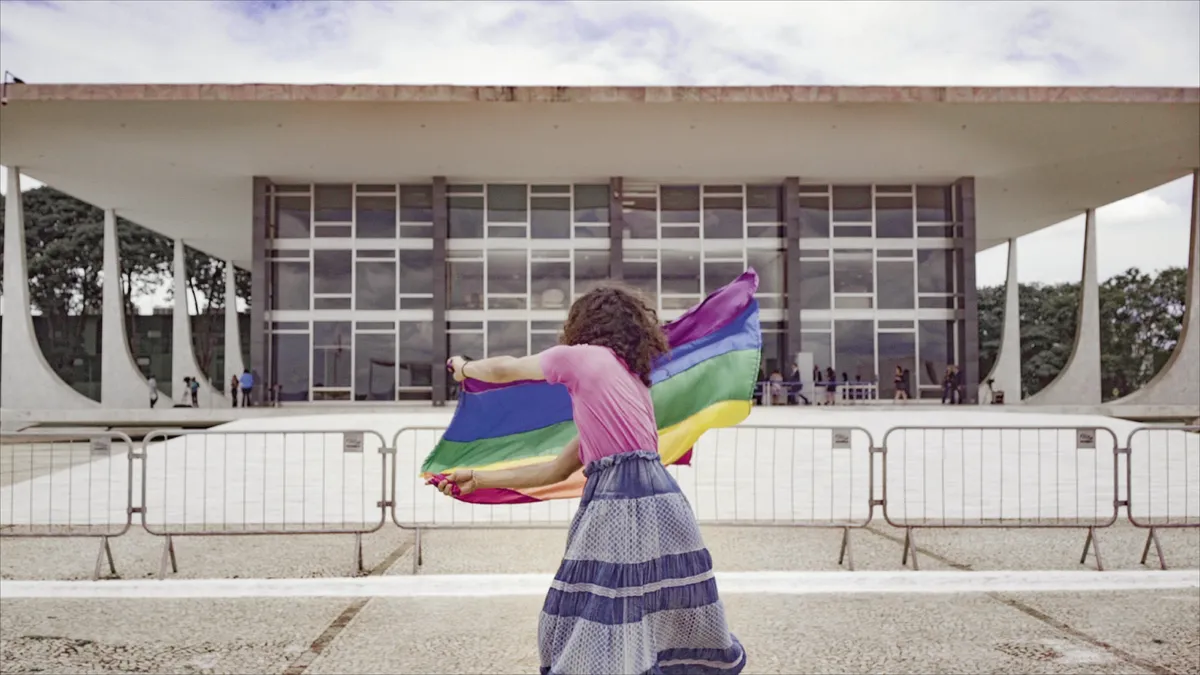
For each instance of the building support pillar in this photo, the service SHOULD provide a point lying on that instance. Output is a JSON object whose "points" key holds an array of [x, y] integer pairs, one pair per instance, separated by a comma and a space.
{"points": [[616, 229], [1178, 382], [28, 382], [1079, 381], [441, 229], [791, 221], [183, 357], [122, 384], [260, 290], [1006, 372], [233, 333], [968, 337]]}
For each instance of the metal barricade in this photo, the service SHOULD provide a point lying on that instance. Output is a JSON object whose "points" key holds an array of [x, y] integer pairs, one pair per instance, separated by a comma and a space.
{"points": [[756, 476], [67, 484], [1162, 476], [210, 483], [1000, 477]]}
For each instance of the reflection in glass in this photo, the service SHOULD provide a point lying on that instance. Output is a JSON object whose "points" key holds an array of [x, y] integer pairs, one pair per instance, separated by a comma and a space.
{"points": [[641, 216], [506, 272], [540, 342], [934, 204], [333, 203], [852, 203], [718, 274], [374, 367], [723, 218], [642, 274], [935, 339], [814, 217], [893, 217], [895, 284], [507, 203], [331, 272], [465, 217], [375, 218], [764, 204], [551, 218], [680, 203], [550, 284], [852, 271], [465, 281], [934, 270], [293, 217], [416, 271], [681, 272], [814, 283], [591, 209], [416, 203], [855, 344], [332, 354], [591, 270], [469, 345], [774, 354], [771, 273], [414, 362], [289, 365], [820, 346], [507, 338], [896, 349], [375, 285], [290, 285]]}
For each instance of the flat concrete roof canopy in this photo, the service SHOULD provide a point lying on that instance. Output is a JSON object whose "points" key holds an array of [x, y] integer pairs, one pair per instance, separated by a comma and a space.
{"points": [[179, 158]]}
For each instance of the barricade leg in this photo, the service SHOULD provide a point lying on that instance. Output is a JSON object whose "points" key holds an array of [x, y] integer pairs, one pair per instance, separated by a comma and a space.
{"points": [[1092, 542], [417, 557], [910, 546], [847, 553], [358, 568], [168, 555], [1153, 537], [105, 554]]}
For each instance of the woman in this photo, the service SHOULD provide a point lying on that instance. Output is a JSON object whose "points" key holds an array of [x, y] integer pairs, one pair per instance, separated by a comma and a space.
{"points": [[899, 381], [635, 592], [233, 390]]}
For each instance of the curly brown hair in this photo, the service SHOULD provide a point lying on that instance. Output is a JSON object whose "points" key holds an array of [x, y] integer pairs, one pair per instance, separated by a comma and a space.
{"points": [[619, 318]]}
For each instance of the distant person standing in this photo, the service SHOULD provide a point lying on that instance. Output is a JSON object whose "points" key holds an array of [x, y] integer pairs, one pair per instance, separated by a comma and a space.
{"points": [[233, 390], [153, 384], [194, 390], [247, 382]]}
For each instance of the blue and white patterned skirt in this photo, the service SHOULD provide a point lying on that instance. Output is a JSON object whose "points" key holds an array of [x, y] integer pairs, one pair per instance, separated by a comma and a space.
{"points": [[635, 592]]}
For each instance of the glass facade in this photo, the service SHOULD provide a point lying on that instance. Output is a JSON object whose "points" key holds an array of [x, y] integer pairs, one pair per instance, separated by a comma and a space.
{"points": [[351, 273]]}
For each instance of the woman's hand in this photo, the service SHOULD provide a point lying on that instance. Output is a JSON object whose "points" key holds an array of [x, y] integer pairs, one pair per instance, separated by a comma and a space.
{"points": [[456, 364], [463, 478]]}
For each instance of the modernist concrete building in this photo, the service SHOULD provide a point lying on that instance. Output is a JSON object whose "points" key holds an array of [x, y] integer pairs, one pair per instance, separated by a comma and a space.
{"points": [[389, 226]]}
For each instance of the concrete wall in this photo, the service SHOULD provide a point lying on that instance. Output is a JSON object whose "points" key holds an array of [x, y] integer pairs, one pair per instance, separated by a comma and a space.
{"points": [[122, 384], [183, 357], [1006, 372]]}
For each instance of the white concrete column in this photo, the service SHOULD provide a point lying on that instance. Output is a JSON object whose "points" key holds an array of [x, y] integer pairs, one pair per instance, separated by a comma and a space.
{"points": [[122, 384], [1178, 383], [1006, 372], [183, 357], [28, 382], [233, 336], [1079, 381]]}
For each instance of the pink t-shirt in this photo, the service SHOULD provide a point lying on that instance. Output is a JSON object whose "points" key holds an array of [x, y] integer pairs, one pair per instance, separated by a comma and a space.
{"points": [[612, 407]]}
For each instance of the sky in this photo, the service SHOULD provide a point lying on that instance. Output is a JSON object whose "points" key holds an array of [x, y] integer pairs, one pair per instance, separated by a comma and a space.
{"points": [[550, 42]]}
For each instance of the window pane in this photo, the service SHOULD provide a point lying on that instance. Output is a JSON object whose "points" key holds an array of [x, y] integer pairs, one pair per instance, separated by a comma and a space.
{"points": [[591, 270], [551, 285], [465, 217], [289, 365], [332, 354], [893, 217], [723, 218], [718, 274], [852, 203], [375, 285], [814, 217], [507, 338], [814, 283], [469, 345], [896, 350], [540, 342], [641, 217], [895, 284], [935, 339], [680, 203], [465, 281], [293, 218], [416, 271], [506, 272], [375, 367], [507, 204], [414, 364], [681, 272], [375, 218], [416, 203], [852, 271], [934, 204], [331, 272], [770, 268], [551, 218], [643, 275], [290, 285], [333, 203], [855, 343], [591, 203], [819, 345], [934, 270], [764, 204], [774, 353]]}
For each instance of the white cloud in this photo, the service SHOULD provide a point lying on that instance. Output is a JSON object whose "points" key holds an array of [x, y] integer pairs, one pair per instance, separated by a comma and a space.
{"points": [[1141, 43]]}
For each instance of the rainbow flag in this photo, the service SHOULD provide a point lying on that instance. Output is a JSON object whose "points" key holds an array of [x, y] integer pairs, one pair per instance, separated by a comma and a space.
{"points": [[706, 381]]}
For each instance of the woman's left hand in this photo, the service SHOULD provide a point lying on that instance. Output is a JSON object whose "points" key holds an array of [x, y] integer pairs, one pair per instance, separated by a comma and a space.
{"points": [[455, 364]]}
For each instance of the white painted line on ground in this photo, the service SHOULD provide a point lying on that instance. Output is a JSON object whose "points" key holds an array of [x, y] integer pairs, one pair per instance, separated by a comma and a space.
{"points": [[496, 585]]}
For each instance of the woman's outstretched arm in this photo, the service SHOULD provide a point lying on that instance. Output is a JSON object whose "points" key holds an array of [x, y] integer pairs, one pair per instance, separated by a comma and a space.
{"points": [[536, 475], [499, 369]]}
